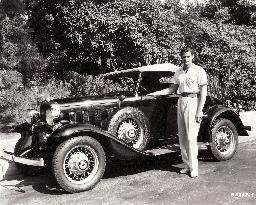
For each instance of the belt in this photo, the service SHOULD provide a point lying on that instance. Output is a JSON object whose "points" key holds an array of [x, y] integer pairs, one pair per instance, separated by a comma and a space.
{"points": [[191, 95]]}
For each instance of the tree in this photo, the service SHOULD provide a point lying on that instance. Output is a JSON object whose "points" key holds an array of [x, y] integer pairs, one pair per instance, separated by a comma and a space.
{"points": [[241, 11], [98, 36], [94, 37], [17, 50]]}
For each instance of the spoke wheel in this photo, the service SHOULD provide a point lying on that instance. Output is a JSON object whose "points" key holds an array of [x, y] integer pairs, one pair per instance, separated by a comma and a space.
{"points": [[131, 126], [130, 132], [79, 163], [224, 140]]}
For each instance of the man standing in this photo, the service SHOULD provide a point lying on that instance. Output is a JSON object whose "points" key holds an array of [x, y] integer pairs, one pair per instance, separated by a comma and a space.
{"points": [[191, 80]]}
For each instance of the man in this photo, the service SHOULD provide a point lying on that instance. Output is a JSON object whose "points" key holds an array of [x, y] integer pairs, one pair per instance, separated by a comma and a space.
{"points": [[191, 80]]}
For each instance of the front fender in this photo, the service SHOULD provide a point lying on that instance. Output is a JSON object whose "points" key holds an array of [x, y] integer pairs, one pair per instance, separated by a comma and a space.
{"points": [[33, 136], [69, 130], [215, 113], [107, 140], [24, 127]]}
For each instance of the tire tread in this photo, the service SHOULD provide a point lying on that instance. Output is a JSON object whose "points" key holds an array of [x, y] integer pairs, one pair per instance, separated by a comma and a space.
{"points": [[57, 158]]}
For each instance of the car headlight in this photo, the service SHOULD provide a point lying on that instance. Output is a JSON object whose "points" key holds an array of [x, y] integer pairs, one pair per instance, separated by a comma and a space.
{"points": [[52, 113]]}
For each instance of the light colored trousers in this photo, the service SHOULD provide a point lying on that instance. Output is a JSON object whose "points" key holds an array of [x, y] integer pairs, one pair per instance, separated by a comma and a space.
{"points": [[188, 130]]}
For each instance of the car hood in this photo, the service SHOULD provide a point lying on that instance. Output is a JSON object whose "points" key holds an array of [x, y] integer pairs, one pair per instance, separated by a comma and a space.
{"points": [[80, 99], [87, 101]]}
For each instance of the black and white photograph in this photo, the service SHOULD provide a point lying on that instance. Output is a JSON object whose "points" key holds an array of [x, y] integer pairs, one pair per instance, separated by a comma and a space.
{"points": [[127, 102]]}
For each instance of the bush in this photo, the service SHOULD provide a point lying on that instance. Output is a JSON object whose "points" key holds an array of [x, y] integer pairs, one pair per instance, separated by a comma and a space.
{"points": [[89, 85], [16, 100], [228, 52]]}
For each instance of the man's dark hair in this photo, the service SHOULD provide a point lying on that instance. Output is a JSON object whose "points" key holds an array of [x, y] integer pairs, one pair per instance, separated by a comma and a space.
{"points": [[187, 49]]}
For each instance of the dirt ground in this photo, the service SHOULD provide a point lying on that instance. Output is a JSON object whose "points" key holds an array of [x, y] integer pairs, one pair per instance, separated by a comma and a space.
{"points": [[150, 181]]}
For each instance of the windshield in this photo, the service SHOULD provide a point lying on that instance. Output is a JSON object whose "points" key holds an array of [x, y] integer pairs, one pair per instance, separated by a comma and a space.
{"points": [[121, 83]]}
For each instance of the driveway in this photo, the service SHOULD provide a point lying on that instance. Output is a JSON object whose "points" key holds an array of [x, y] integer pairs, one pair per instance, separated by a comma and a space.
{"points": [[151, 181]]}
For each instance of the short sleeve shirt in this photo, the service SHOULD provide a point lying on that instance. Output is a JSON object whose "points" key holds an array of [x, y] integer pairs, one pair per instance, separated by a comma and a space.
{"points": [[190, 81]]}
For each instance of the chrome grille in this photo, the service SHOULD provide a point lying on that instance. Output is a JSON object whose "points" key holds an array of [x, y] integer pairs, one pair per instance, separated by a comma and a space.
{"points": [[85, 116], [72, 117]]}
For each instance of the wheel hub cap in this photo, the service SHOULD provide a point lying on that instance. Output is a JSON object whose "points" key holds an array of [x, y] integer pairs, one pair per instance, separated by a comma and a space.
{"points": [[130, 132], [224, 139], [81, 164], [78, 163]]}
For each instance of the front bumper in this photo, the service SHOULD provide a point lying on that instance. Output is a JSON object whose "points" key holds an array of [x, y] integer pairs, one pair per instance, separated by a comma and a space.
{"points": [[38, 162], [248, 128]]}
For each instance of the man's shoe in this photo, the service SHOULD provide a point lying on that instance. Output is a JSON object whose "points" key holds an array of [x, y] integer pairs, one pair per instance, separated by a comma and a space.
{"points": [[194, 174], [184, 171]]}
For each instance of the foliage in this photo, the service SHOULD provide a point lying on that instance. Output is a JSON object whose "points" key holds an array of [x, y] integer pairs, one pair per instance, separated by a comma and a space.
{"points": [[228, 53], [89, 85], [72, 39], [82, 85], [240, 12], [93, 37], [17, 51], [16, 100]]}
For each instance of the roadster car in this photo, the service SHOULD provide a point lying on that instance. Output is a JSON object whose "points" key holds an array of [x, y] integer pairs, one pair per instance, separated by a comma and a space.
{"points": [[75, 137]]}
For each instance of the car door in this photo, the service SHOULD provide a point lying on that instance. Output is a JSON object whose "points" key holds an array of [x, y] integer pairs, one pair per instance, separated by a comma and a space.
{"points": [[160, 110], [171, 126]]}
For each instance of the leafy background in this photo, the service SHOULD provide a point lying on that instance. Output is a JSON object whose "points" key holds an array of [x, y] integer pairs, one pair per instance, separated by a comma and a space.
{"points": [[54, 49]]}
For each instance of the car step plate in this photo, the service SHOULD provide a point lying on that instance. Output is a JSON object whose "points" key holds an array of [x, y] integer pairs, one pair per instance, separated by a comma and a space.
{"points": [[165, 149]]}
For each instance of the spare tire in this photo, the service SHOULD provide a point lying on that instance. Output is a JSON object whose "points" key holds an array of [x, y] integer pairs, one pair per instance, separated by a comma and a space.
{"points": [[131, 126]]}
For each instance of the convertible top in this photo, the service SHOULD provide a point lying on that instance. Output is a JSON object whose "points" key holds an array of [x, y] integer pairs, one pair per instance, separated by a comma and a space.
{"points": [[156, 67]]}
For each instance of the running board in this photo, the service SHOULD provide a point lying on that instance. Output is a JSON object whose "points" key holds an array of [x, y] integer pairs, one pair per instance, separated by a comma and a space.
{"points": [[167, 149]]}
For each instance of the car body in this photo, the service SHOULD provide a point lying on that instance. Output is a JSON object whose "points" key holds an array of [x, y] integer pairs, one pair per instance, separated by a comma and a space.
{"points": [[77, 136]]}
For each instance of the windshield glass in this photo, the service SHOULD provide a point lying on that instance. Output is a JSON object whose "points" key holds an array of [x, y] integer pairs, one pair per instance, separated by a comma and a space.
{"points": [[121, 83]]}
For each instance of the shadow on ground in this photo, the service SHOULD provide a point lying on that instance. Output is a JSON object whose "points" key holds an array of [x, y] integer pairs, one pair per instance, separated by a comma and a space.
{"points": [[45, 182], [165, 162]]}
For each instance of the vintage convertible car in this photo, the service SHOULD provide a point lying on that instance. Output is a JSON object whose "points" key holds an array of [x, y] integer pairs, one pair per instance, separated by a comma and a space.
{"points": [[75, 137]]}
